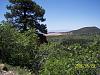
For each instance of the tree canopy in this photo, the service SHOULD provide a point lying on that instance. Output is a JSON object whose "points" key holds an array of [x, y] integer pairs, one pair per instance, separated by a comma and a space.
{"points": [[26, 14]]}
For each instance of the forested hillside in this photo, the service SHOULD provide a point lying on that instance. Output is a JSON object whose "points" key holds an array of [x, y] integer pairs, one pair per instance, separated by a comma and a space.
{"points": [[86, 31]]}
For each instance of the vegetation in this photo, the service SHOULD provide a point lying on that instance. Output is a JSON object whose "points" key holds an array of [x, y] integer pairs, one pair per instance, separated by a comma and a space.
{"points": [[25, 14], [63, 58], [18, 49], [55, 58], [62, 55]]}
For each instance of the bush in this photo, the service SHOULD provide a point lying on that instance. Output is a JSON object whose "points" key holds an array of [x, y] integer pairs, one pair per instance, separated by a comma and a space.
{"points": [[19, 49], [63, 60]]}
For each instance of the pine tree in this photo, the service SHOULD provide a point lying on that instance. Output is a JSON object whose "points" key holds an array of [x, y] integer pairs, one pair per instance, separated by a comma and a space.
{"points": [[26, 14]]}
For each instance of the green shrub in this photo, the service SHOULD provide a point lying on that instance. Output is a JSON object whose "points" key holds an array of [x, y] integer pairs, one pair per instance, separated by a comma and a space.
{"points": [[19, 49], [62, 60]]}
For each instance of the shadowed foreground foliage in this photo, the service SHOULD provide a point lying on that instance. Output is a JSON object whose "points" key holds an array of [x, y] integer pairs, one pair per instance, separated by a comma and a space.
{"points": [[19, 49]]}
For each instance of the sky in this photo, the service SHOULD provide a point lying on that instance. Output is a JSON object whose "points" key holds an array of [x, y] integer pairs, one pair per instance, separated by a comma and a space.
{"points": [[66, 15]]}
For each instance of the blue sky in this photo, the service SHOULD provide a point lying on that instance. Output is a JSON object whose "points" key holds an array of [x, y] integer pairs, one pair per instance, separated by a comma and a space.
{"points": [[66, 15]]}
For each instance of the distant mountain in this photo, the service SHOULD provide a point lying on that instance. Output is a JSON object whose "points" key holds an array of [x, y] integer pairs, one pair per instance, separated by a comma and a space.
{"points": [[81, 31], [86, 31]]}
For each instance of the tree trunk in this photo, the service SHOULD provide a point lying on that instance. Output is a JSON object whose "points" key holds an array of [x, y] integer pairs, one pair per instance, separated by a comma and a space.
{"points": [[25, 21]]}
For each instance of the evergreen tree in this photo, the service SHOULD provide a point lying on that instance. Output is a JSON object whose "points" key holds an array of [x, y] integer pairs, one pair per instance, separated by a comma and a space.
{"points": [[26, 14]]}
